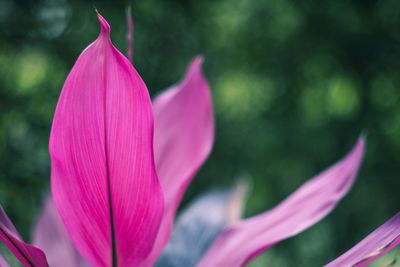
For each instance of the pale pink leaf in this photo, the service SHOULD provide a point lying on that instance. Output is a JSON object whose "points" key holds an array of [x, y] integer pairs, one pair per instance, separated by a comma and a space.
{"points": [[104, 182], [184, 134], [50, 235], [241, 242], [3, 262], [199, 224], [375, 245], [28, 255], [6, 223]]}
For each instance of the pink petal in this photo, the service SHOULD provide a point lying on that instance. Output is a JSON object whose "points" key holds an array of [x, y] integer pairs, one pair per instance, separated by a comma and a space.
{"points": [[375, 245], [50, 235], [104, 182], [28, 255], [240, 243], [183, 138]]}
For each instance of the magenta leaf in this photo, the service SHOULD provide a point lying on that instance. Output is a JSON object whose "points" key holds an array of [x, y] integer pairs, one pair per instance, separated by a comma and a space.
{"points": [[375, 245], [28, 255], [183, 138], [50, 236], [241, 242], [103, 178]]}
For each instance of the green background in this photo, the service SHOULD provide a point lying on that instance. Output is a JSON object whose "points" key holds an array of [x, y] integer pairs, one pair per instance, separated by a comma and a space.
{"points": [[294, 83]]}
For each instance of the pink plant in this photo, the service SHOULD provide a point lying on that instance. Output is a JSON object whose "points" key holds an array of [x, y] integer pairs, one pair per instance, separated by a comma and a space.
{"points": [[376, 244], [115, 198]]}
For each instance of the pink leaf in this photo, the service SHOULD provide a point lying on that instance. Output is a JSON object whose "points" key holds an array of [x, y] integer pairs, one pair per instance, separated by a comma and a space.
{"points": [[28, 255], [104, 182], [184, 134], [3, 262], [50, 235], [241, 242], [7, 224], [375, 245]]}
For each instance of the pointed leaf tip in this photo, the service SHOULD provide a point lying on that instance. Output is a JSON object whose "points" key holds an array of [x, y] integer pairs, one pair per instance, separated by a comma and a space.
{"points": [[105, 27], [239, 243], [195, 68], [363, 136], [103, 179], [194, 74], [237, 201], [183, 139], [198, 60]]}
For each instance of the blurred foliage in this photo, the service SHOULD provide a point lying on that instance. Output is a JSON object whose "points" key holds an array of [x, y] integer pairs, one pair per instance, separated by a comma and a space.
{"points": [[294, 84]]}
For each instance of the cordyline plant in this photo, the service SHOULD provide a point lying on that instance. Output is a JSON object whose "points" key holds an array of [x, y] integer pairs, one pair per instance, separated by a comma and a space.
{"points": [[117, 183]]}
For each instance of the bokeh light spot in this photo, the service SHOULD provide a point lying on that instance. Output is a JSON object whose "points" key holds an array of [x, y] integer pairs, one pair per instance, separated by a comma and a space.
{"points": [[240, 95], [343, 97], [31, 71]]}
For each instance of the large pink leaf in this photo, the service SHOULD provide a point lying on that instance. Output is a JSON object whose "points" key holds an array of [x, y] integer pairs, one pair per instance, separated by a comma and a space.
{"points": [[375, 245], [28, 255], [241, 242], [50, 236], [104, 182], [184, 134]]}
